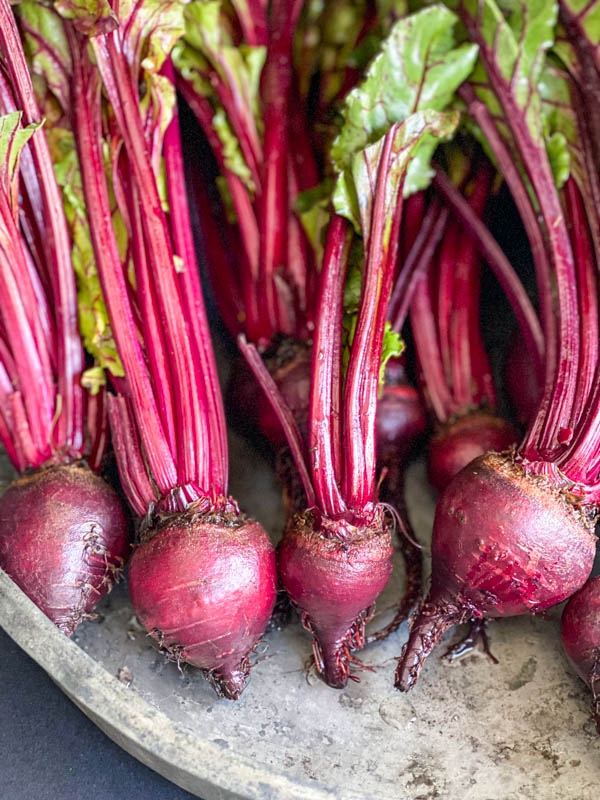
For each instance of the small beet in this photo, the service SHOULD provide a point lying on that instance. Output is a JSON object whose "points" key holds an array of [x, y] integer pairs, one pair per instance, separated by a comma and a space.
{"points": [[288, 362], [580, 632], [63, 540], [205, 590], [334, 583], [504, 543], [458, 442], [401, 420]]}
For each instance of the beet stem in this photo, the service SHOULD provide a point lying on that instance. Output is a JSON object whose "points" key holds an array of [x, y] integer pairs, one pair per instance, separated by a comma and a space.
{"points": [[326, 462], [501, 267], [421, 252], [68, 430]]}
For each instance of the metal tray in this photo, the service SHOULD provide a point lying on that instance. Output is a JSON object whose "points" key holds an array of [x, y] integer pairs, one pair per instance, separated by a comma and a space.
{"points": [[471, 730]]}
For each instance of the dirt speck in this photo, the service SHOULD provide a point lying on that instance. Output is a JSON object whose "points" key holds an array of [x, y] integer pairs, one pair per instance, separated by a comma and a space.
{"points": [[524, 676], [125, 675]]}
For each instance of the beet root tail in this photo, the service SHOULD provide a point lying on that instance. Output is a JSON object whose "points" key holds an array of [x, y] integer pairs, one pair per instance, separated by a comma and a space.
{"points": [[432, 622], [595, 686], [332, 650], [230, 680]]}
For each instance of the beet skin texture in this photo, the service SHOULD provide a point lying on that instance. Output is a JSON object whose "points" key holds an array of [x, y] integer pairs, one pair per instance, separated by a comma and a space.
{"points": [[580, 633], [504, 543], [63, 540], [334, 582], [457, 443], [204, 590]]}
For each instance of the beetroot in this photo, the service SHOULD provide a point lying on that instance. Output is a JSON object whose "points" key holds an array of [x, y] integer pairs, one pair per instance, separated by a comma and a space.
{"points": [[63, 540], [580, 632], [482, 568], [456, 443], [190, 562], [401, 418], [513, 533], [63, 531], [203, 579], [335, 582]]}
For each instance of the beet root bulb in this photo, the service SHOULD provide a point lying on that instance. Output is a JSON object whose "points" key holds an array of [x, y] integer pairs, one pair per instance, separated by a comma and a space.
{"points": [[334, 581], [401, 420], [63, 540], [204, 589], [580, 633], [457, 443], [504, 543]]}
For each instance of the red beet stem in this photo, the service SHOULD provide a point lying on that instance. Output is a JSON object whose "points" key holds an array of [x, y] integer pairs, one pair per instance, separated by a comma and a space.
{"points": [[436, 390], [86, 111], [275, 259], [362, 378], [325, 443], [505, 542], [414, 267], [500, 266], [192, 433], [247, 224], [194, 308], [528, 214], [273, 210], [253, 21], [68, 429]]}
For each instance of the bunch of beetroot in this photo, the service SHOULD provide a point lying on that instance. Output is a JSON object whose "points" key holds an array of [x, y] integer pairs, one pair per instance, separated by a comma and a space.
{"points": [[336, 221], [514, 531], [63, 531]]}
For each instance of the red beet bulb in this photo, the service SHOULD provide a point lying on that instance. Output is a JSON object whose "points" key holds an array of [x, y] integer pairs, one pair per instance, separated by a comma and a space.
{"points": [[580, 632], [514, 532], [63, 531], [203, 576], [200, 565], [456, 443], [63, 540]]}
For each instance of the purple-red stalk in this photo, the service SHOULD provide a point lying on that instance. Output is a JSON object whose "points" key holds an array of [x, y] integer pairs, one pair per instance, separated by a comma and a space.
{"points": [[454, 368]]}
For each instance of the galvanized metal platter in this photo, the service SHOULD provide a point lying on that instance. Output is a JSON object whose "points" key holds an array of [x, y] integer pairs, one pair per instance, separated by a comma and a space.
{"points": [[471, 730]]}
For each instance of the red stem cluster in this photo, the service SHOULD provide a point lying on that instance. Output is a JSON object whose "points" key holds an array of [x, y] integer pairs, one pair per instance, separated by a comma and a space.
{"points": [[168, 421], [41, 358], [273, 284]]}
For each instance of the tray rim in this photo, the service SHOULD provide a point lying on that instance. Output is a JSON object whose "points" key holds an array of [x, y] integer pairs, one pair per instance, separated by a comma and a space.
{"points": [[194, 764]]}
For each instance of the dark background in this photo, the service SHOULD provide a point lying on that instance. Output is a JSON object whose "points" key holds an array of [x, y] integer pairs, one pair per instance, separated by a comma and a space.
{"points": [[49, 749]]}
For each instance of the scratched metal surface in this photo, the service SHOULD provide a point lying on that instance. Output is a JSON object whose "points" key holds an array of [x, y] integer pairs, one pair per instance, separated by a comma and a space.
{"points": [[470, 730]]}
